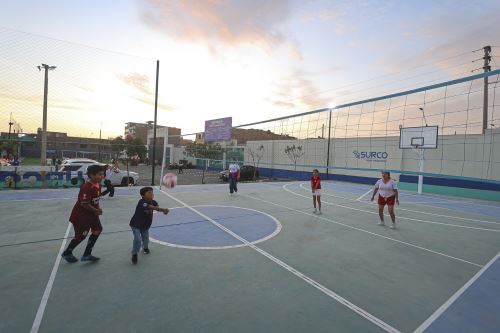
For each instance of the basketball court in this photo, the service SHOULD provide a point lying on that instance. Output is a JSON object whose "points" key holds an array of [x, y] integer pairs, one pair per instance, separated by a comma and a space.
{"points": [[256, 261]]}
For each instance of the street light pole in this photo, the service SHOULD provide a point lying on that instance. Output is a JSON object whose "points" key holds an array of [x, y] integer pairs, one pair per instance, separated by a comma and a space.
{"points": [[43, 153]]}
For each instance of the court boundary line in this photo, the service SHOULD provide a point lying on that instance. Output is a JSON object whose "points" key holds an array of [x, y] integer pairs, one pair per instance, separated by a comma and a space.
{"points": [[399, 217], [378, 322], [436, 314], [48, 288], [362, 196], [368, 232], [410, 210], [260, 240]]}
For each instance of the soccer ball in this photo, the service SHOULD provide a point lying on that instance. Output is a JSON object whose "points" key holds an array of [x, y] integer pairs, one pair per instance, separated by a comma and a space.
{"points": [[169, 180]]}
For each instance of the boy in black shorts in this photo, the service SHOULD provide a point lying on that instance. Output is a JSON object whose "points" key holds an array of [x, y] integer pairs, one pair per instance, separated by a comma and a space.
{"points": [[85, 216]]}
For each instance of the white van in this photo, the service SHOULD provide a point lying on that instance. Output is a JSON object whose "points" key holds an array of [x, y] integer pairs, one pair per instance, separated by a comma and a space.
{"points": [[119, 177]]}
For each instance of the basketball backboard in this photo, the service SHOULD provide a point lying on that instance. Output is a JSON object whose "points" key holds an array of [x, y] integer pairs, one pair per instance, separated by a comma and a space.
{"points": [[425, 137]]}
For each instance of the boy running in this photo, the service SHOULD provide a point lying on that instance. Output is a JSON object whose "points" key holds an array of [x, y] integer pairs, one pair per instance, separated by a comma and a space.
{"points": [[107, 181], [142, 220], [316, 190], [85, 216]]}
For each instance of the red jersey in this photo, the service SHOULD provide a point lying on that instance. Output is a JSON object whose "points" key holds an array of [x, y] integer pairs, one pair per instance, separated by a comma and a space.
{"points": [[316, 182], [89, 193]]}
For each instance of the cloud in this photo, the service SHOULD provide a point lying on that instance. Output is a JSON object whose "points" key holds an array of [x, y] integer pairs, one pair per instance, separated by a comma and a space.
{"points": [[220, 22], [138, 81], [451, 39], [297, 91], [141, 83]]}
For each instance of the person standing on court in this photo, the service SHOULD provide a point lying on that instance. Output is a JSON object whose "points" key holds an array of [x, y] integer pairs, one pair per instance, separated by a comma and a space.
{"points": [[107, 181], [234, 176], [387, 195]]}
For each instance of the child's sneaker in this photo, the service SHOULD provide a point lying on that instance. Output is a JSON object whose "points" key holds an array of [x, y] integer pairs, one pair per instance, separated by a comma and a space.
{"points": [[89, 258], [381, 223], [146, 251], [315, 211], [393, 226], [69, 258], [134, 259]]}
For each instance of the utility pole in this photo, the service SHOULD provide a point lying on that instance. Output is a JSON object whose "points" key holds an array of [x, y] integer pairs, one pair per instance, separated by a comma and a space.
{"points": [[155, 123], [486, 68], [100, 142], [10, 124], [47, 68]]}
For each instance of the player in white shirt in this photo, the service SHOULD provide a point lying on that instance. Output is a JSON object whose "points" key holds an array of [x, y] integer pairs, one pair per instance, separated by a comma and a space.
{"points": [[387, 195], [234, 176]]}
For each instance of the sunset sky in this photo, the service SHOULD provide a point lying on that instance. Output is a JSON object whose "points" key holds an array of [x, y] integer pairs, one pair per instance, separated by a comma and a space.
{"points": [[248, 59]]}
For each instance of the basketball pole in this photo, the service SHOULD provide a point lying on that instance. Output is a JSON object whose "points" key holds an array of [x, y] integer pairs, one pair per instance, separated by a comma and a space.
{"points": [[420, 169]]}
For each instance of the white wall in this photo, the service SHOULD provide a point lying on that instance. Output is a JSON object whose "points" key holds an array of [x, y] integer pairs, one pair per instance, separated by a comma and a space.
{"points": [[476, 156]]}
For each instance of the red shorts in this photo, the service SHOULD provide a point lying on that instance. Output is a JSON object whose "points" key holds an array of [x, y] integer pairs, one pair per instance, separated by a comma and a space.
{"points": [[386, 201], [82, 228]]}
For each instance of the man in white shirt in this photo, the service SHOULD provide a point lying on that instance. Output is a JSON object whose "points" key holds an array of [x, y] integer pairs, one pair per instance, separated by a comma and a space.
{"points": [[234, 176], [107, 181]]}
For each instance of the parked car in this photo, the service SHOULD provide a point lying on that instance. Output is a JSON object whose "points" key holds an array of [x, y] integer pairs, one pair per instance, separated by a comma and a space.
{"points": [[246, 173], [79, 161], [118, 178]]}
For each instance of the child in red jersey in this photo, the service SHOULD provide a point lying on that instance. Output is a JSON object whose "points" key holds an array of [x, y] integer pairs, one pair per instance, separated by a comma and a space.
{"points": [[85, 215], [316, 190]]}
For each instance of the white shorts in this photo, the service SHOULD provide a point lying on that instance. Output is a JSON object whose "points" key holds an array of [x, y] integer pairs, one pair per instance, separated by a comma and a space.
{"points": [[317, 192]]}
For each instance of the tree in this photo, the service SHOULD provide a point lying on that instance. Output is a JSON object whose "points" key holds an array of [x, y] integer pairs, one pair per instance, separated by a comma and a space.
{"points": [[204, 150], [294, 153], [132, 146], [256, 155]]}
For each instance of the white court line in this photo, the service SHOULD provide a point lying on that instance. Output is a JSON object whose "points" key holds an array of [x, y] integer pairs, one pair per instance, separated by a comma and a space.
{"points": [[260, 240], [362, 196], [383, 325], [410, 210], [454, 297], [46, 294], [365, 231], [427, 195], [399, 216]]}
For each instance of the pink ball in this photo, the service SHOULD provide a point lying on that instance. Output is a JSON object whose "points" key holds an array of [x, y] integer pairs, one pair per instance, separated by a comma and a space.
{"points": [[169, 180]]}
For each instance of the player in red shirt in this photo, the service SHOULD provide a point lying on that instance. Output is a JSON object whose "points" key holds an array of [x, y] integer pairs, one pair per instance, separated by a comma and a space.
{"points": [[85, 215], [316, 190]]}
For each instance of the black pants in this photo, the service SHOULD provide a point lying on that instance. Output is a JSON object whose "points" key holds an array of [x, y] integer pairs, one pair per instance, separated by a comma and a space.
{"points": [[232, 185], [109, 188]]}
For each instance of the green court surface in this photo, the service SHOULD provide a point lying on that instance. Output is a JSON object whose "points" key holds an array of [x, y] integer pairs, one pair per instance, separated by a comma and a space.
{"points": [[258, 261]]}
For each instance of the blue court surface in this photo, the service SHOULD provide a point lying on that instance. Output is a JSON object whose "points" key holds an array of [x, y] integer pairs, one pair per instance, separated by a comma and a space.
{"points": [[257, 261]]}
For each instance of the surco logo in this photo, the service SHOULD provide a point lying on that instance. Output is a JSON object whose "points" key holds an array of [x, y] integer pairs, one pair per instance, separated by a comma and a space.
{"points": [[375, 156]]}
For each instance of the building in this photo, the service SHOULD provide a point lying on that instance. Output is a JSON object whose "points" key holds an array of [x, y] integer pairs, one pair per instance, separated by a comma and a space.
{"points": [[60, 145], [140, 130]]}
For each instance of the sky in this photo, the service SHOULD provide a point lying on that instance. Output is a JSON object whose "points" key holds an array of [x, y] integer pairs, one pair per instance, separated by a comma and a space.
{"points": [[247, 59]]}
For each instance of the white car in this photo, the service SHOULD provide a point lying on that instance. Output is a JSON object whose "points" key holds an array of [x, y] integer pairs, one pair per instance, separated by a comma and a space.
{"points": [[119, 177], [79, 161]]}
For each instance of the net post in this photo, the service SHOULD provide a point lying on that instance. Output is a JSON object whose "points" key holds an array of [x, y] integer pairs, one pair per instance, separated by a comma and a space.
{"points": [[164, 157]]}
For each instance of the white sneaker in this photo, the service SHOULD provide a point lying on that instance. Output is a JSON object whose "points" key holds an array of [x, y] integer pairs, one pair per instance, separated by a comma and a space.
{"points": [[393, 226], [381, 223]]}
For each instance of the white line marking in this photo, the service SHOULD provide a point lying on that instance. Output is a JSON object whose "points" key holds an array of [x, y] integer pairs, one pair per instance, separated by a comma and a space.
{"points": [[260, 240], [386, 327], [399, 216], [48, 288], [410, 210], [366, 231], [454, 297], [362, 196]]}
